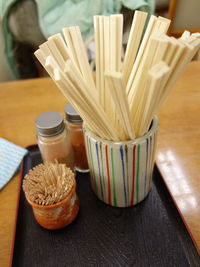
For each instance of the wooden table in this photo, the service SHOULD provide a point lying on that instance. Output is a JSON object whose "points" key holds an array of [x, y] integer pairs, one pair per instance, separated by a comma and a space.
{"points": [[178, 154], [22, 101]]}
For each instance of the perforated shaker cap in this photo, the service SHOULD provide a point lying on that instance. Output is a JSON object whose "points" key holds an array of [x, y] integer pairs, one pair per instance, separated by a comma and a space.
{"points": [[49, 123], [72, 115]]}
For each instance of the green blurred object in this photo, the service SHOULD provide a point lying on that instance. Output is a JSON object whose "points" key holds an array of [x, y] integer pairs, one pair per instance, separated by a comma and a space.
{"points": [[57, 14], [6, 8]]}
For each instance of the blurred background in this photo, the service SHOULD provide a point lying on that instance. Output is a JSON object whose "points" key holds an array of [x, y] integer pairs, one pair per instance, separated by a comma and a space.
{"points": [[25, 24]]}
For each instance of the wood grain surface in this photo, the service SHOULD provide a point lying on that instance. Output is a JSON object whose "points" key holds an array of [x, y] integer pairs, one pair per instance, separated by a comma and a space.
{"points": [[22, 101], [178, 153]]}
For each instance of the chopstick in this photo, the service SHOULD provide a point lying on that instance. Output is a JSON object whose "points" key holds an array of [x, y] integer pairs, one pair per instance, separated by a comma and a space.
{"points": [[117, 89], [134, 39]]}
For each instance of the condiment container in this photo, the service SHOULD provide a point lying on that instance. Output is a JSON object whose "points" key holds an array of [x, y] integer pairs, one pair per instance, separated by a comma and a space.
{"points": [[121, 172], [58, 215], [53, 141], [75, 132], [50, 189]]}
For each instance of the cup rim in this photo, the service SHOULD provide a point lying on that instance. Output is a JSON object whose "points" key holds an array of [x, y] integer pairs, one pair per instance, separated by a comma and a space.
{"points": [[53, 206], [153, 128]]}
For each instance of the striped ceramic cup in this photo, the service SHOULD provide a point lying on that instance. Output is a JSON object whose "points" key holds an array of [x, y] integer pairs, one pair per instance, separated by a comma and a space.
{"points": [[121, 172]]}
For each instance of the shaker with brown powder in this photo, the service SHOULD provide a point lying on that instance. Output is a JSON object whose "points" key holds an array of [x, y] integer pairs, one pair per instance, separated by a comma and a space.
{"points": [[53, 140], [75, 132]]}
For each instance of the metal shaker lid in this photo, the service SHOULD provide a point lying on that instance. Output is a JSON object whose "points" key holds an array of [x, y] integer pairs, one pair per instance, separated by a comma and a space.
{"points": [[72, 115], [49, 123]]}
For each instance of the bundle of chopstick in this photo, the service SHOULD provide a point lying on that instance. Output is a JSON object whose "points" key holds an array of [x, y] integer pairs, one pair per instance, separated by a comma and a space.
{"points": [[122, 101]]}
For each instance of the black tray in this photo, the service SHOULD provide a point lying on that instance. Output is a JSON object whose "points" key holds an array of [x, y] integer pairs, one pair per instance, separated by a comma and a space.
{"points": [[149, 234]]}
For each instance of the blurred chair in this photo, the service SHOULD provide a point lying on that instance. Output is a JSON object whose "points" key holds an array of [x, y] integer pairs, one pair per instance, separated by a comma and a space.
{"points": [[184, 15], [161, 8]]}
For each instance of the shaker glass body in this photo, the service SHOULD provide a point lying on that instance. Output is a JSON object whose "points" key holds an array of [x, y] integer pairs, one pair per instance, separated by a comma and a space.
{"points": [[53, 141], [57, 148], [76, 137]]}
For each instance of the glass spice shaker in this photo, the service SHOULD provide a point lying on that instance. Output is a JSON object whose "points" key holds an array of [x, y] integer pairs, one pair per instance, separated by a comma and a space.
{"points": [[75, 131], [53, 141]]}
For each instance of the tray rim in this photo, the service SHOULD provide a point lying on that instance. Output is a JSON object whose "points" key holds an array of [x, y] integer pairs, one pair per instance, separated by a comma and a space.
{"points": [[17, 208]]}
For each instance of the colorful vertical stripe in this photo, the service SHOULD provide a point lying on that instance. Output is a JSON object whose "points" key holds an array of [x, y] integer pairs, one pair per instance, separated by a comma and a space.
{"points": [[91, 163], [146, 172], [108, 175], [133, 176], [137, 173], [123, 174], [113, 179], [99, 170], [150, 162]]}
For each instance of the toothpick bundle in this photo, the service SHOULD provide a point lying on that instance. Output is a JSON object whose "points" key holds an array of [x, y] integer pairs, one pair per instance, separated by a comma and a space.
{"points": [[127, 93], [48, 183]]}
